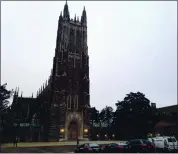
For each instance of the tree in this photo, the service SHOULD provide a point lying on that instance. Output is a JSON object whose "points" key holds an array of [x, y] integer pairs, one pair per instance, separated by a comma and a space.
{"points": [[4, 110], [105, 119], [133, 116], [94, 116], [94, 119], [4, 96], [107, 115]]}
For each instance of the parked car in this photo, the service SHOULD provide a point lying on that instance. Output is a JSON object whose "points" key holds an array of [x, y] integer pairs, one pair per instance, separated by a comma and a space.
{"points": [[140, 145], [89, 148], [159, 143], [114, 148], [165, 143]]}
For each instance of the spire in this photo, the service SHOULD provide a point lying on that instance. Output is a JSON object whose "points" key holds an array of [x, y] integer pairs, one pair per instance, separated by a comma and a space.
{"points": [[21, 93], [66, 12], [48, 79], [51, 72], [46, 83], [32, 95], [60, 17], [17, 91], [75, 18], [84, 17]]}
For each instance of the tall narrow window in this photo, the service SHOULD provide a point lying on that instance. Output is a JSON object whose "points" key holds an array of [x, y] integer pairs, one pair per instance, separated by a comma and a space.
{"points": [[69, 101], [86, 59], [77, 63], [58, 68], [61, 56], [76, 102], [70, 62]]}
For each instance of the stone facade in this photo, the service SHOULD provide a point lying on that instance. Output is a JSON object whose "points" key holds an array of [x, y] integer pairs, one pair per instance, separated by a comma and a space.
{"points": [[62, 103], [69, 80]]}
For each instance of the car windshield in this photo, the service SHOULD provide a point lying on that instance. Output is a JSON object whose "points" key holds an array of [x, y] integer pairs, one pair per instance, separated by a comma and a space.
{"points": [[171, 140], [81, 146], [159, 140], [121, 144], [146, 141], [136, 141], [93, 145]]}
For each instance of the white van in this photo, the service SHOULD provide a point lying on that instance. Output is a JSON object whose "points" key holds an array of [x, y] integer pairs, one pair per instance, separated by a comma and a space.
{"points": [[168, 143], [171, 143]]}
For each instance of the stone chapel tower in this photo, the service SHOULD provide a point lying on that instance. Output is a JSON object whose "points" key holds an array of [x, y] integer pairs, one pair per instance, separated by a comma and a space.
{"points": [[70, 96]]}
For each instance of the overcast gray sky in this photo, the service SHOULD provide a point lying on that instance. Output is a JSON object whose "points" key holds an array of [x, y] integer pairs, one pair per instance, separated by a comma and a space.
{"points": [[132, 47]]}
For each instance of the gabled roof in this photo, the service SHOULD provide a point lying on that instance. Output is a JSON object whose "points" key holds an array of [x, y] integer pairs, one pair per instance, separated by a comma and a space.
{"points": [[173, 108]]}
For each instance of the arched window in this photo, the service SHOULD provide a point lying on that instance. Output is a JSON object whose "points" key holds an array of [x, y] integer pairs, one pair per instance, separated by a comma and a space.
{"points": [[69, 101], [76, 102], [61, 56]]}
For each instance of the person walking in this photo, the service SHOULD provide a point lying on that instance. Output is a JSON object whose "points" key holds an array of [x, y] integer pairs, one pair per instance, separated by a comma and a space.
{"points": [[77, 142], [15, 141]]}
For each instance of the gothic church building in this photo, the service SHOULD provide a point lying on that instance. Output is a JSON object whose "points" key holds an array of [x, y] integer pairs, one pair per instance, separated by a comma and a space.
{"points": [[63, 102]]}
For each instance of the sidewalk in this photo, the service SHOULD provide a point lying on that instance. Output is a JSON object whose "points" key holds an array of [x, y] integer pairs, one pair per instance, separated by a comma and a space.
{"points": [[41, 144]]}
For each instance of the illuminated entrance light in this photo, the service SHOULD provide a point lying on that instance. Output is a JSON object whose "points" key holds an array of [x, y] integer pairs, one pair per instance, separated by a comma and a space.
{"points": [[62, 130], [86, 130]]}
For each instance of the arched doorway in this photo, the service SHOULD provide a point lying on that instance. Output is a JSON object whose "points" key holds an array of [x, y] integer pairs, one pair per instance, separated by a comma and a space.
{"points": [[73, 131]]}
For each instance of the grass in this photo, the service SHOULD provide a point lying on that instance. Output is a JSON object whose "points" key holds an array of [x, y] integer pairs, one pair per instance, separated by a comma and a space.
{"points": [[34, 144], [38, 144]]}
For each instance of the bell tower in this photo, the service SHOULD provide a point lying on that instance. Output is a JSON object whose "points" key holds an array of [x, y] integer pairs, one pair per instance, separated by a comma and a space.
{"points": [[70, 96]]}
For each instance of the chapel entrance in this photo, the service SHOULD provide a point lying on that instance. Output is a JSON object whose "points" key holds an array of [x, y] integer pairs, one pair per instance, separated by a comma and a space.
{"points": [[73, 131]]}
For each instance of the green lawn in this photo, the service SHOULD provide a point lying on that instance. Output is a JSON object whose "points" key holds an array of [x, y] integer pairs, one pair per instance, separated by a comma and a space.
{"points": [[34, 144]]}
